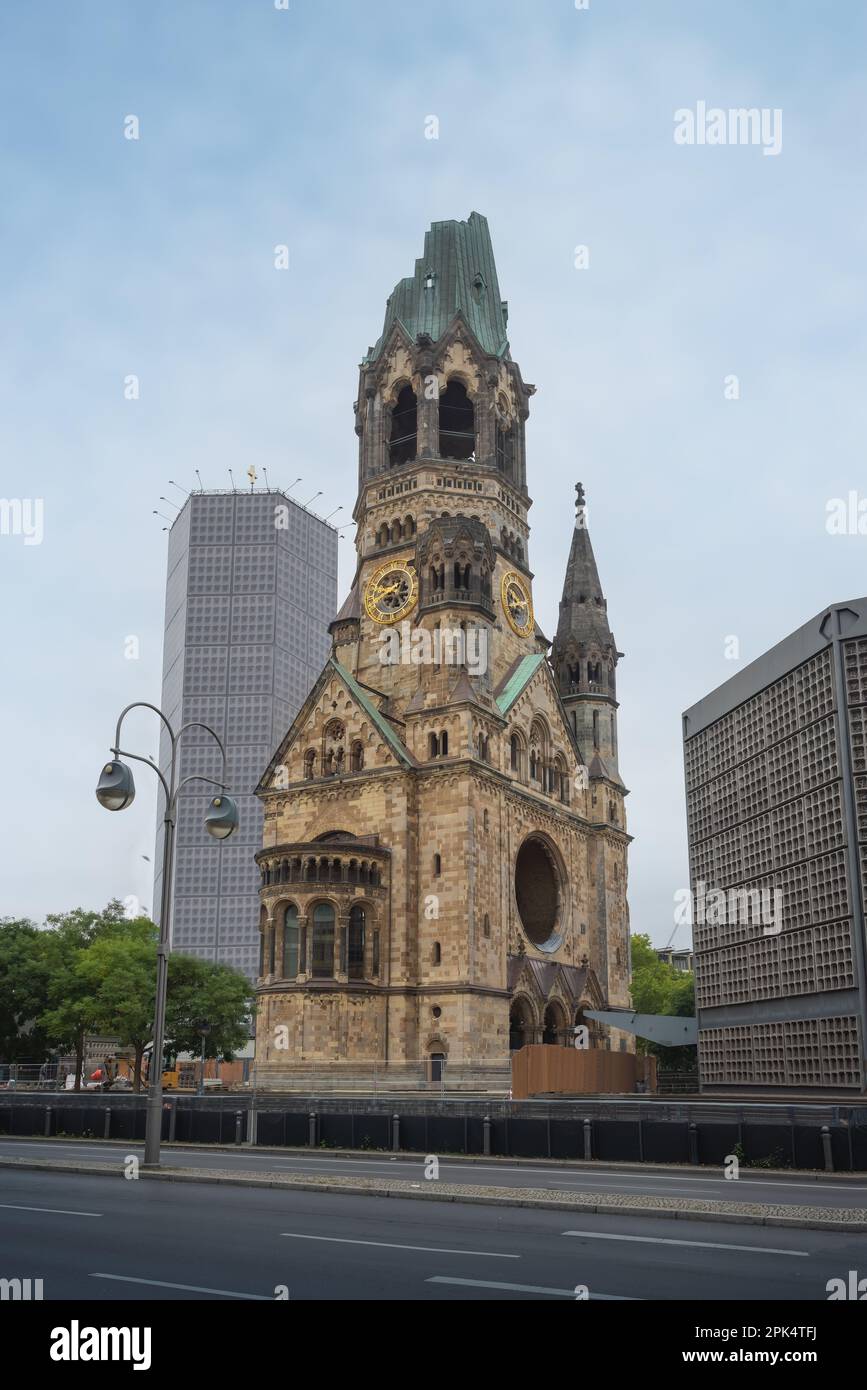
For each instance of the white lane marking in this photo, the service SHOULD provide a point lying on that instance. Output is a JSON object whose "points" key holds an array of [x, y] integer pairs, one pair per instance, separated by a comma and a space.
{"points": [[701, 1244], [389, 1245], [189, 1288], [527, 1288], [53, 1211], [558, 1173]]}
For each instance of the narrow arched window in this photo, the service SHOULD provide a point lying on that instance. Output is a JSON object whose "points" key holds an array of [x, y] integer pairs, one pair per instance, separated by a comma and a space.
{"points": [[457, 420], [434, 745], [596, 728], [402, 445], [356, 761], [310, 763], [486, 929], [323, 941], [437, 953], [291, 941], [444, 744], [355, 949], [438, 865]]}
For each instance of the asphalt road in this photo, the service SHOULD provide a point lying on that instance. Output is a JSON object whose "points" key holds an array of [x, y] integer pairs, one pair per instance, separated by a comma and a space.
{"points": [[94, 1237], [749, 1187]]}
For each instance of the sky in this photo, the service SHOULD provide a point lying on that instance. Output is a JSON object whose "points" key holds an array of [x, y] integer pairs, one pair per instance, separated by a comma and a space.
{"points": [[701, 369]]}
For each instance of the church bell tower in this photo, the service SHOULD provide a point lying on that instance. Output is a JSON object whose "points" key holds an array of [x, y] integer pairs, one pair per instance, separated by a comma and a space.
{"points": [[442, 881]]}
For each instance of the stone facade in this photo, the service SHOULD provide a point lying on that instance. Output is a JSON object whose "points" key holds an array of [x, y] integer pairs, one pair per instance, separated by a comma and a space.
{"points": [[444, 853]]}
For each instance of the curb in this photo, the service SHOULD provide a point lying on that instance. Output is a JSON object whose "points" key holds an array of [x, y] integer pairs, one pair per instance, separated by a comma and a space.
{"points": [[841, 1220]]}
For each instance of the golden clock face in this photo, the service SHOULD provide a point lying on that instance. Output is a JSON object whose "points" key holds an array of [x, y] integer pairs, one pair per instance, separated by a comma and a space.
{"points": [[391, 592], [517, 604]]}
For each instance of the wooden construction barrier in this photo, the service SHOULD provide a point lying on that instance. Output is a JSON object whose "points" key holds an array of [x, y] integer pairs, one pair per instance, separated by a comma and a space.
{"points": [[545, 1069]]}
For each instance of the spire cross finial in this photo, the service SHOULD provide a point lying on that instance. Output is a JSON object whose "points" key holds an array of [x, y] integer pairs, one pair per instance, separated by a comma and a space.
{"points": [[580, 506]]}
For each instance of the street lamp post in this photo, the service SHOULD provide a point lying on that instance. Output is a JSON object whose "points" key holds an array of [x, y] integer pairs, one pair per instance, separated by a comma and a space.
{"points": [[115, 791]]}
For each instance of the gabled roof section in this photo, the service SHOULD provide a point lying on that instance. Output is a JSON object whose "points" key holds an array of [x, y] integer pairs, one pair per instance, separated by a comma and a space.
{"points": [[379, 721], [382, 724], [459, 257], [515, 679], [515, 682]]}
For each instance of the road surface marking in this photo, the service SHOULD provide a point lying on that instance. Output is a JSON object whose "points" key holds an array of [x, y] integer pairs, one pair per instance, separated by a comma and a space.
{"points": [[527, 1288], [701, 1244], [559, 1173], [389, 1245], [53, 1211], [190, 1288]]}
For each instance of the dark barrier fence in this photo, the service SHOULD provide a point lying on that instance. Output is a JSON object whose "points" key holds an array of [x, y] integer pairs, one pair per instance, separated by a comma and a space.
{"points": [[805, 1136]]}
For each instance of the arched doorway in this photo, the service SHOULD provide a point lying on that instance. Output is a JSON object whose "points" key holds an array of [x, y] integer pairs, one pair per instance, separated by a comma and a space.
{"points": [[553, 1026], [437, 1065], [520, 1025]]}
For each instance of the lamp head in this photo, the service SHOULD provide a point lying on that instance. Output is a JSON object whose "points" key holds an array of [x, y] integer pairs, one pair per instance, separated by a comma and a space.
{"points": [[221, 817], [115, 789]]}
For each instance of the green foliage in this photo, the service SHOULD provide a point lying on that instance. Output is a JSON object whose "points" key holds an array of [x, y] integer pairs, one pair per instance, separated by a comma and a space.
{"points": [[118, 971], [777, 1159], [658, 988], [95, 972], [23, 991], [206, 992], [71, 1007]]}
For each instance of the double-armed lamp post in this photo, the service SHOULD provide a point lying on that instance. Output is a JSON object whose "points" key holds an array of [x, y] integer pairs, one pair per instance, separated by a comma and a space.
{"points": [[115, 791]]}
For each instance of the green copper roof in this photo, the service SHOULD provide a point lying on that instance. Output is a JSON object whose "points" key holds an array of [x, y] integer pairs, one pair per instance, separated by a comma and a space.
{"points": [[460, 258], [371, 711], [527, 667]]}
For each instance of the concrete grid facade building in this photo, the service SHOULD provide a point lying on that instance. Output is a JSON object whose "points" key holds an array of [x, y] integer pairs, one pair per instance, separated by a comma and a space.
{"points": [[251, 589], [776, 785]]}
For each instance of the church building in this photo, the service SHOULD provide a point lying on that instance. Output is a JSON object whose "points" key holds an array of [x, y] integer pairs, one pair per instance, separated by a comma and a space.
{"points": [[444, 861]]}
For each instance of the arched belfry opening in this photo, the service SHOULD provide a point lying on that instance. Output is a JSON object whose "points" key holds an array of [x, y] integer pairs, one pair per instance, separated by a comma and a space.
{"points": [[457, 418], [403, 441]]}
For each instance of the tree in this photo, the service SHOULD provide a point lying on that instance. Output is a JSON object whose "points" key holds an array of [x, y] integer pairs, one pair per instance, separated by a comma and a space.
{"points": [[207, 992], [23, 990], [95, 972], [658, 988], [119, 973], [73, 1010]]}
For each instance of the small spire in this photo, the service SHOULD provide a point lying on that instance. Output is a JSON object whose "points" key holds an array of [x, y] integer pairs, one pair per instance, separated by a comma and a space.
{"points": [[582, 616]]}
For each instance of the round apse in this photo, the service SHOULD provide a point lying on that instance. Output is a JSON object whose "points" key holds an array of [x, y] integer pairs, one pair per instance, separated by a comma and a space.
{"points": [[537, 891]]}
